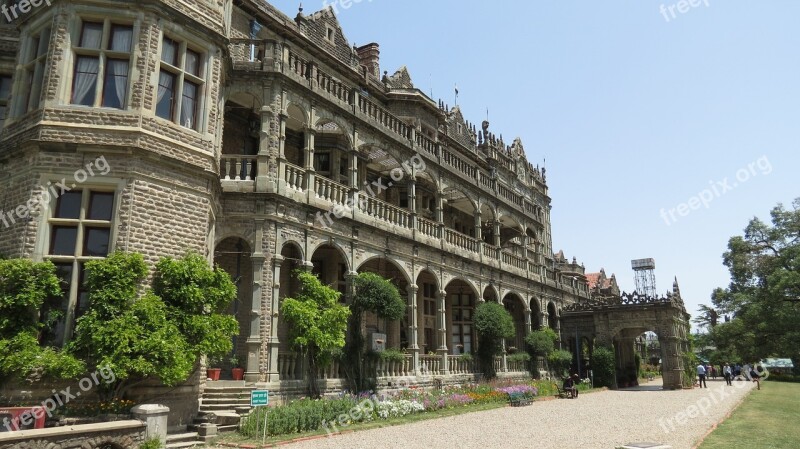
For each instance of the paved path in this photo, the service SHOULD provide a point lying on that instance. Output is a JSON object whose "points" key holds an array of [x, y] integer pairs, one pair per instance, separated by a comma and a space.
{"points": [[597, 420]]}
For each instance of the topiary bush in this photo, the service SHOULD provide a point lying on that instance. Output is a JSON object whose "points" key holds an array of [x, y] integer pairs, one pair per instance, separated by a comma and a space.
{"points": [[493, 324], [559, 362], [603, 365]]}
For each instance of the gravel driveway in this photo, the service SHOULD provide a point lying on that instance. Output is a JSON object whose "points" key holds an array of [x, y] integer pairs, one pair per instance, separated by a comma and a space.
{"points": [[605, 419]]}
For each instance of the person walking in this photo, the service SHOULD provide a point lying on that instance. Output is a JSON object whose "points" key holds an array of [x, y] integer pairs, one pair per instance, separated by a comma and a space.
{"points": [[726, 372], [701, 374], [755, 377]]}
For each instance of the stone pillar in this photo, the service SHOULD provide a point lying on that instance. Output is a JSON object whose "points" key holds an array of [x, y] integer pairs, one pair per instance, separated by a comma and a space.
{"points": [[504, 363], [413, 327], [438, 213], [412, 202], [273, 343], [254, 343], [155, 419], [478, 227], [543, 319], [354, 187], [441, 322], [265, 159], [524, 240], [528, 325], [497, 233], [309, 159]]}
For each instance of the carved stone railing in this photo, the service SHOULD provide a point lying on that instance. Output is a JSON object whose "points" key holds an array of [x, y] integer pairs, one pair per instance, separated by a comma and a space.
{"points": [[238, 167], [290, 366], [294, 177], [426, 144], [490, 251], [514, 261], [394, 368], [387, 212], [460, 364], [516, 366], [427, 227], [384, 117], [329, 190], [461, 240], [430, 365]]}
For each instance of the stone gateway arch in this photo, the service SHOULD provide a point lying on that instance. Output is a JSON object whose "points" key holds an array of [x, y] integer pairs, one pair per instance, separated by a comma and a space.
{"points": [[616, 321]]}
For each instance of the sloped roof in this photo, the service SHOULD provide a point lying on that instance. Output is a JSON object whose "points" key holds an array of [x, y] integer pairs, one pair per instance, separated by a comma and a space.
{"points": [[316, 25]]}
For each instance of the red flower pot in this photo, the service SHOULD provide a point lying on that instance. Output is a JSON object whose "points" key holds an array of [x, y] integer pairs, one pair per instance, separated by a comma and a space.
{"points": [[213, 373], [237, 373]]}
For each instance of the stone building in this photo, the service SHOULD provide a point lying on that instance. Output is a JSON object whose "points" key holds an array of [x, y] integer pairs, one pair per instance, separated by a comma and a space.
{"points": [[268, 143]]}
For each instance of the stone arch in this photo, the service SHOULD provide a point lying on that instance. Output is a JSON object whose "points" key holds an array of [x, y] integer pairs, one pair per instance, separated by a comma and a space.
{"points": [[552, 316], [233, 255], [536, 310], [335, 244], [329, 124], [428, 287], [491, 293], [296, 116], [516, 306], [460, 300], [292, 243], [395, 272]]}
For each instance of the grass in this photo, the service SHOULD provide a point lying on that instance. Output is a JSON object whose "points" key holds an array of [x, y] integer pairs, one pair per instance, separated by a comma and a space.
{"points": [[767, 419], [408, 419]]}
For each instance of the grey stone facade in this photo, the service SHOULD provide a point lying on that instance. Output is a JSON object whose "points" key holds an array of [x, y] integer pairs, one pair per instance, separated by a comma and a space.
{"points": [[277, 170]]}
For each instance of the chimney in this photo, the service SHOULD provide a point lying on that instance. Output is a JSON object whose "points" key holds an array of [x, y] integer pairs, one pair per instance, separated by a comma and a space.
{"points": [[369, 56]]}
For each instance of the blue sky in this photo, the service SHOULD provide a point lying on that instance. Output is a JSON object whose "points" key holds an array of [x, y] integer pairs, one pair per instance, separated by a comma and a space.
{"points": [[634, 113]]}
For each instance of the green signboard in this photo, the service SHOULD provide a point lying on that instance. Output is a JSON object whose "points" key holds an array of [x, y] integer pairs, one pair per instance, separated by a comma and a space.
{"points": [[259, 398]]}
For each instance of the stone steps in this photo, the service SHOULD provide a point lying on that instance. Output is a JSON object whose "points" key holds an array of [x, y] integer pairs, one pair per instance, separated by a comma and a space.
{"points": [[183, 440]]}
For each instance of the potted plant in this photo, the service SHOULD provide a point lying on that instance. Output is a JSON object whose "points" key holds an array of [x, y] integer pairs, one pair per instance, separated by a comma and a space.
{"points": [[211, 372], [237, 372]]}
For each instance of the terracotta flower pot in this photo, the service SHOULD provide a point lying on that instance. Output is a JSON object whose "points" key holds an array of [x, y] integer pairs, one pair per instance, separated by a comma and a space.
{"points": [[237, 373], [213, 373]]}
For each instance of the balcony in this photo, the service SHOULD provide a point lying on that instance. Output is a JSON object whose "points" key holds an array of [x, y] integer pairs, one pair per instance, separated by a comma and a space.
{"points": [[238, 172]]}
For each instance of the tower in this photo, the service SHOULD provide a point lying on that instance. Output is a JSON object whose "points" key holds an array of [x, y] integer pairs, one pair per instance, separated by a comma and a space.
{"points": [[644, 276]]}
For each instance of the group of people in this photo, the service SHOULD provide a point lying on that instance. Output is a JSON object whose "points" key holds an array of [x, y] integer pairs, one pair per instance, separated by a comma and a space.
{"points": [[730, 373]]}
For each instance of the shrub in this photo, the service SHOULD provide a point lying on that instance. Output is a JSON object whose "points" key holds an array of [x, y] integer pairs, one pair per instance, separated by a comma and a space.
{"points": [[603, 365], [493, 323], [560, 361], [392, 355], [298, 416], [541, 343], [519, 357]]}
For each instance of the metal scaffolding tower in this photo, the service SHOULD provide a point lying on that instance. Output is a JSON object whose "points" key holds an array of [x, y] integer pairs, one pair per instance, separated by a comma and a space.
{"points": [[644, 275]]}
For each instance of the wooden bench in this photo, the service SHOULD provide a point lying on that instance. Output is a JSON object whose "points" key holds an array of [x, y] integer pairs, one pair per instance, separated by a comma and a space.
{"points": [[562, 393], [518, 399]]}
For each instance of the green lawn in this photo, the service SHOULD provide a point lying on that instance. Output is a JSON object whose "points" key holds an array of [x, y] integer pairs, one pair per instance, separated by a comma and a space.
{"points": [[767, 419]]}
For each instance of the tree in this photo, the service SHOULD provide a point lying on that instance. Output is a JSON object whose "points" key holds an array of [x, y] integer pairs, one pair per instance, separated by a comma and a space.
{"points": [[559, 362], [764, 264], [129, 336], [540, 343], [197, 297], [156, 333], [28, 291], [708, 317], [493, 324], [373, 294], [603, 367], [317, 324]]}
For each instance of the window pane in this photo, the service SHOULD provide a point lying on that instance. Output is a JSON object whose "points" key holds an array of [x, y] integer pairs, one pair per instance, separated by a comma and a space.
{"points": [[116, 84], [189, 105], [101, 206], [84, 86], [169, 51], [43, 42], [69, 205], [83, 294], [166, 93], [5, 87], [64, 274], [192, 63], [121, 37], [2, 116], [96, 242], [91, 35], [63, 241]]}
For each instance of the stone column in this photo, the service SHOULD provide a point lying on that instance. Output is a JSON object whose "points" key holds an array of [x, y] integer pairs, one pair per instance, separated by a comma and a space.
{"points": [[412, 202], [528, 324], [441, 322], [273, 370], [504, 362], [155, 419], [354, 187], [438, 213], [497, 233], [254, 343], [265, 159], [478, 227], [413, 327], [310, 135]]}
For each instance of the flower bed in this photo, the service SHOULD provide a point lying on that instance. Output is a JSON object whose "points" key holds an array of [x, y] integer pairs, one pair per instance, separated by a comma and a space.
{"points": [[308, 415]]}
